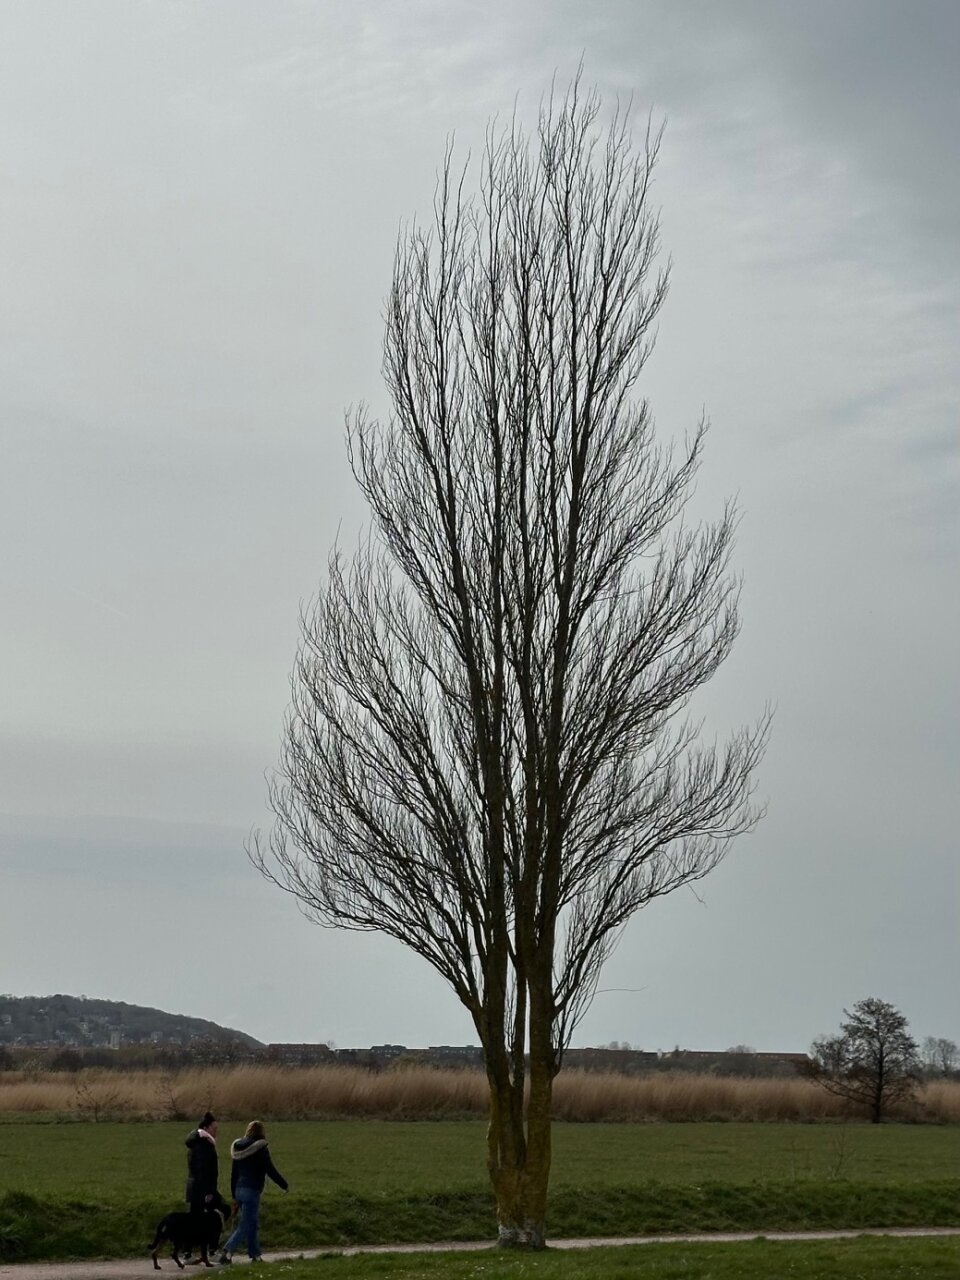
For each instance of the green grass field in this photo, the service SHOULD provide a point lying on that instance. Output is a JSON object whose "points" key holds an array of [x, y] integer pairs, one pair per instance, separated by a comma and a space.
{"points": [[90, 1190], [861, 1259], [371, 1157]]}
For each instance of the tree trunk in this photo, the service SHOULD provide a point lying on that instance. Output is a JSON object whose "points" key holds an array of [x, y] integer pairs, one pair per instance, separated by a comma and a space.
{"points": [[518, 1159], [519, 1136], [520, 1172], [877, 1102]]}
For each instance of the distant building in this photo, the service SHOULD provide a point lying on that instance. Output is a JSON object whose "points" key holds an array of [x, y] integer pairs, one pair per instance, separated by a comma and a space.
{"points": [[300, 1055], [622, 1061], [796, 1060], [461, 1055], [389, 1051], [734, 1062]]}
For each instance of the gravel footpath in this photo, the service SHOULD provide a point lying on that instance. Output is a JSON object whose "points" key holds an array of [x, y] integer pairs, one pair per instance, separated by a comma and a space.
{"points": [[137, 1269]]}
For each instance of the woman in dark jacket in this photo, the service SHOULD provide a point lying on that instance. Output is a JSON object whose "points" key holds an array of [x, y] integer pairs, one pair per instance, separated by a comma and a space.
{"points": [[203, 1168], [250, 1166]]}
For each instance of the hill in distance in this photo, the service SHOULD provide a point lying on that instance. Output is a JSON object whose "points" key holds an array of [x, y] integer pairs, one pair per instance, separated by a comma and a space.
{"points": [[79, 1022]]}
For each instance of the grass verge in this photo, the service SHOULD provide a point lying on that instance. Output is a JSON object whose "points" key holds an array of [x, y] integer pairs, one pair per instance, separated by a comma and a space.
{"points": [[860, 1259], [32, 1228]]}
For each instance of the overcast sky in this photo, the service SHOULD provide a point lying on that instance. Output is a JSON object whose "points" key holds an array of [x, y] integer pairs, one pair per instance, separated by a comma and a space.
{"points": [[199, 206]]}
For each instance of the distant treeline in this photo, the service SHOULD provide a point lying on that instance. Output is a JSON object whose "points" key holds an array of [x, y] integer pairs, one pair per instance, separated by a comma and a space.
{"points": [[128, 1057], [377, 1058]]}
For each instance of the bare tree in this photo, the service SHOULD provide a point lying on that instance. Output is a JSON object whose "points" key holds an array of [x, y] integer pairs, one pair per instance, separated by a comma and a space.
{"points": [[872, 1062], [483, 758], [941, 1057]]}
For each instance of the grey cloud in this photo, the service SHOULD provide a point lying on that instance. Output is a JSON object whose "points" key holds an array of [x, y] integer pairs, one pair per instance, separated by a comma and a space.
{"points": [[939, 445], [118, 851]]}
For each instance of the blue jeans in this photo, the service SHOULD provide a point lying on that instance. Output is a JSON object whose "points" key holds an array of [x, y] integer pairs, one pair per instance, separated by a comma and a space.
{"points": [[248, 1198]]}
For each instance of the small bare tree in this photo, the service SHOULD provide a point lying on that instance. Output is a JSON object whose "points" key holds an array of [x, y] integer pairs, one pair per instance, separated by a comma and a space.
{"points": [[170, 1103], [872, 1062], [98, 1101], [941, 1057], [483, 758]]}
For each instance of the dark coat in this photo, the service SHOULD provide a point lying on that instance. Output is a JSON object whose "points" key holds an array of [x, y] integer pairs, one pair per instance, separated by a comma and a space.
{"points": [[250, 1165], [203, 1168]]}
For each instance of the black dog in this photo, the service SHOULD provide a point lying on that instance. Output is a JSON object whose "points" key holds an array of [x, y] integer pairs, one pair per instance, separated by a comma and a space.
{"points": [[187, 1231]]}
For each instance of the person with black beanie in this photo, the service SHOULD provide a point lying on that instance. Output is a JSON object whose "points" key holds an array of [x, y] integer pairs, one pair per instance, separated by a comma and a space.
{"points": [[203, 1167]]}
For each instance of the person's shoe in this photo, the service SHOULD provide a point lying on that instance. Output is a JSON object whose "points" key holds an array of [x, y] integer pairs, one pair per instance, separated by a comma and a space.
{"points": [[225, 1260]]}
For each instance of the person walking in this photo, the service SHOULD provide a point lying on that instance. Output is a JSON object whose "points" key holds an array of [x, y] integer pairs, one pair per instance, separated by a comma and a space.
{"points": [[203, 1167], [250, 1166]]}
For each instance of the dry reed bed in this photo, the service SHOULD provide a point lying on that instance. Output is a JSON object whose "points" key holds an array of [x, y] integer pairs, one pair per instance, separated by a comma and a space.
{"points": [[293, 1093]]}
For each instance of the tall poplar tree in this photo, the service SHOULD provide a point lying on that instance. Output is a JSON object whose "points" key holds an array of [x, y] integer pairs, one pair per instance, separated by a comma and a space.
{"points": [[486, 756]]}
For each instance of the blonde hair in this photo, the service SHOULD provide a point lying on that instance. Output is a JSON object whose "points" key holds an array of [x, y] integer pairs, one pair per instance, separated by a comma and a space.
{"points": [[255, 1129]]}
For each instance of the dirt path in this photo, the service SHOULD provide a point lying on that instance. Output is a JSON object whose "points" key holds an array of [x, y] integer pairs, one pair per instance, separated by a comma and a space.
{"points": [[139, 1269]]}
